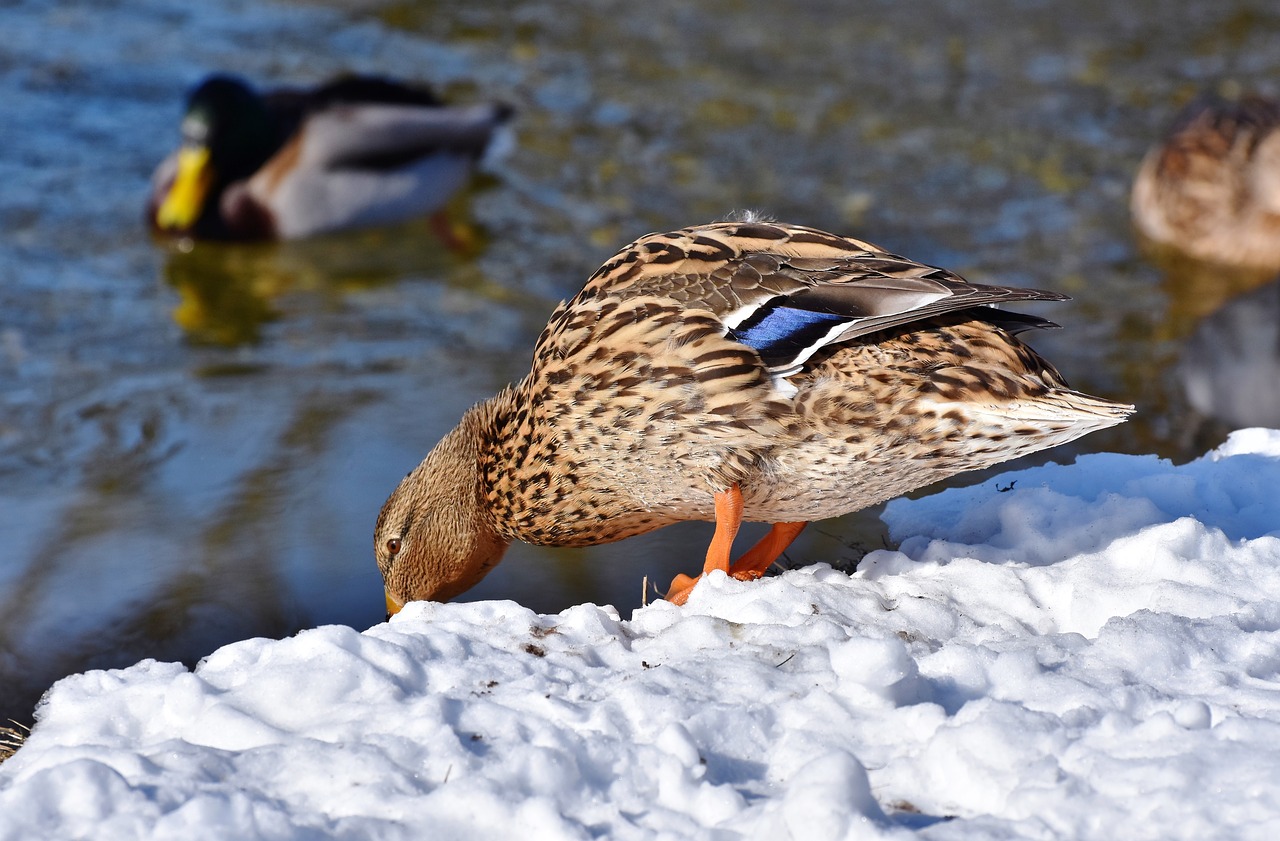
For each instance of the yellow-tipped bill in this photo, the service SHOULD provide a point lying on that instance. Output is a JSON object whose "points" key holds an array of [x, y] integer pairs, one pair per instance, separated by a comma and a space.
{"points": [[393, 606], [181, 207]]}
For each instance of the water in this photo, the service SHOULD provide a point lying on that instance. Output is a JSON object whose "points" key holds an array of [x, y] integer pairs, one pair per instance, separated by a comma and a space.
{"points": [[193, 446]]}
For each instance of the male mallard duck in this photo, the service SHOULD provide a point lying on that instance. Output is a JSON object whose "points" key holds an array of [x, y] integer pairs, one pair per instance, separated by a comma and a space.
{"points": [[359, 151], [740, 370], [1212, 188]]}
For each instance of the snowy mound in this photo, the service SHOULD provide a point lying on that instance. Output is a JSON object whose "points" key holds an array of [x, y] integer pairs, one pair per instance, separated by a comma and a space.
{"points": [[1092, 653]]}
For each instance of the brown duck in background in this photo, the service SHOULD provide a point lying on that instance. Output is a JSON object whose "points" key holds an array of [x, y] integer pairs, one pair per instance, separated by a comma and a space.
{"points": [[357, 152], [740, 370], [1211, 189]]}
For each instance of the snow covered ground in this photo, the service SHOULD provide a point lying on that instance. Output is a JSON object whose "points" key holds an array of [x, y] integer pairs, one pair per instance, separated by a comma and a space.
{"points": [[1093, 652]]}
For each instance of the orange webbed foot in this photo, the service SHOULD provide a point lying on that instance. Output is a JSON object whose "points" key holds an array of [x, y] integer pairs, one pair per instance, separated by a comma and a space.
{"points": [[728, 520], [681, 586], [753, 562]]}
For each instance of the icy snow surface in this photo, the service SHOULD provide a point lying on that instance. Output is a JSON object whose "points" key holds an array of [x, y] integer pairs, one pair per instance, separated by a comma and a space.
{"points": [[1092, 653]]}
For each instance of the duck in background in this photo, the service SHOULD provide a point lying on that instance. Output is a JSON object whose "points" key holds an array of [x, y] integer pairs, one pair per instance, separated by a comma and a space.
{"points": [[1211, 189], [360, 151], [728, 372]]}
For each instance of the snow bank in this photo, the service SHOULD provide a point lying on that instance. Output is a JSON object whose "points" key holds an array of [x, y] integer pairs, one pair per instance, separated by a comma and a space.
{"points": [[1085, 651]]}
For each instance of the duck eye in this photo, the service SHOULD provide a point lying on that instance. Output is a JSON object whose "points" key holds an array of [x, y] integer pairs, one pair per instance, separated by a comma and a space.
{"points": [[393, 546]]}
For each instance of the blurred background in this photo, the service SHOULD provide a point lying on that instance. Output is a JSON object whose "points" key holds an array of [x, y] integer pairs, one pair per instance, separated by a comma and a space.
{"points": [[194, 443]]}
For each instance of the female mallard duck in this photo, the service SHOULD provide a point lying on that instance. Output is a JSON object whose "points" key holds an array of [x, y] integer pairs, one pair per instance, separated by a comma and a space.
{"points": [[740, 370], [1211, 190], [357, 152]]}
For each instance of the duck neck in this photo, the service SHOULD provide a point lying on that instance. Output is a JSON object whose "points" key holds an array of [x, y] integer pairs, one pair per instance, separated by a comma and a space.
{"points": [[496, 426], [468, 532]]}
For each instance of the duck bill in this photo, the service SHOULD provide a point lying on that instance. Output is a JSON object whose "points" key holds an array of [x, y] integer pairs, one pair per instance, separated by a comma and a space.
{"points": [[393, 606], [181, 207]]}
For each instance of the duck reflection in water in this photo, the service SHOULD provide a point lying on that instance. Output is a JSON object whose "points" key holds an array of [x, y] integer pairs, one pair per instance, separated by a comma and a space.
{"points": [[1230, 365], [224, 296], [229, 292]]}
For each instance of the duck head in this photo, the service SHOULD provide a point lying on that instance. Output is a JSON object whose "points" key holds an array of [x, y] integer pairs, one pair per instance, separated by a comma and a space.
{"points": [[434, 538], [227, 135]]}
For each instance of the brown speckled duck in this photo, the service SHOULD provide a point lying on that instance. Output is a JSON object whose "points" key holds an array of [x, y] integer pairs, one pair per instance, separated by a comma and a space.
{"points": [[1211, 189], [728, 372], [357, 152]]}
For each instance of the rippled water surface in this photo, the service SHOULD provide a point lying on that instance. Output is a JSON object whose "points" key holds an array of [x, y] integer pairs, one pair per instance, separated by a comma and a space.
{"points": [[194, 445]]}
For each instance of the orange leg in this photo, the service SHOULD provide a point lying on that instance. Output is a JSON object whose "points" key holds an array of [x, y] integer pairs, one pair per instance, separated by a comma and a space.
{"points": [[728, 521], [458, 237]]}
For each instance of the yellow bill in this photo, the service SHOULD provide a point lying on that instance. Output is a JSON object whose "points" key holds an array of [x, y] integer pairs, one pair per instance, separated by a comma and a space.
{"points": [[393, 606], [181, 207]]}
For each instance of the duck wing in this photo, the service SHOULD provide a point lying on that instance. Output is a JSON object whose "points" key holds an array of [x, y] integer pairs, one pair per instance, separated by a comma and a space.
{"points": [[788, 291], [382, 136]]}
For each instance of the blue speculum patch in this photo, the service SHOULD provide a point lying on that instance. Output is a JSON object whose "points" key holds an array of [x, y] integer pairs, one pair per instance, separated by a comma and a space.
{"points": [[776, 330]]}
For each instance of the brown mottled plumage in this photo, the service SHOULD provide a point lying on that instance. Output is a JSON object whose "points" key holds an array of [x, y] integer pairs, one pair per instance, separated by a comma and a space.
{"points": [[1211, 189], [740, 370]]}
